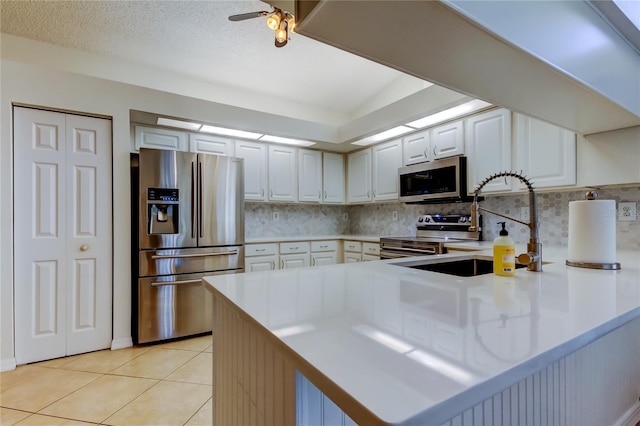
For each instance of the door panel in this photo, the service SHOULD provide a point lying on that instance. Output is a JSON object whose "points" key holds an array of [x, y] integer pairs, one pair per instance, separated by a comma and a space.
{"points": [[89, 219], [63, 285]]}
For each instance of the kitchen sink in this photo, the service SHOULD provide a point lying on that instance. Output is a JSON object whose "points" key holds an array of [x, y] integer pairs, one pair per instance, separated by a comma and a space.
{"points": [[466, 267]]}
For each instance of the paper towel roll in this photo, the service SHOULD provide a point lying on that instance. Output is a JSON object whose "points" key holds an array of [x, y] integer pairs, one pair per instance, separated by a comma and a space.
{"points": [[592, 231]]}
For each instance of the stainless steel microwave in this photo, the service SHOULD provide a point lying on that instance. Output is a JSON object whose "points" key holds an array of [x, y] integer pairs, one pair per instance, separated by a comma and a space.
{"points": [[438, 181]]}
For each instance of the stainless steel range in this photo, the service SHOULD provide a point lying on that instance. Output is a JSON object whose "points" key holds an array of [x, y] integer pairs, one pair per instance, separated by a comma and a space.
{"points": [[432, 232]]}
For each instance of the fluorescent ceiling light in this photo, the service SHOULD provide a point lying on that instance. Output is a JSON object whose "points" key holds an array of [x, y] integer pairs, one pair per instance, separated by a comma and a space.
{"points": [[448, 114], [631, 10], [387, 134], [230, 132], [162, 121], [287, 141]]}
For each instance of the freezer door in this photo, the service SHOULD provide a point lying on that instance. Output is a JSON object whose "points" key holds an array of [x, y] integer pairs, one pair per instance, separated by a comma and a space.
{"points": [[221, 200], [190, 260], [161, 171], [172, 306]]}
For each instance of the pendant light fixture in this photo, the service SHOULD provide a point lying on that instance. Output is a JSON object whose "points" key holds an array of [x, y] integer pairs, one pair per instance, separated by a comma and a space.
{"points": [[282, 22]]}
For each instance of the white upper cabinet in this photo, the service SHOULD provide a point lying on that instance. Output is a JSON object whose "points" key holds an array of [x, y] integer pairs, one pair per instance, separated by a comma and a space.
{"points": [[447, 140], [359, 176], [211, 144], [488, 147], [544, 152], [158, 138], [283, 173], [332, 178], [255, 169], [309, 176], [387, 158], [416, 148]]}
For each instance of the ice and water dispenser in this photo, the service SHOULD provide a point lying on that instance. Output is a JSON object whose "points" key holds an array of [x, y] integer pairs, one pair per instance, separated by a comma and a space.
{"points": [[163, 205]]}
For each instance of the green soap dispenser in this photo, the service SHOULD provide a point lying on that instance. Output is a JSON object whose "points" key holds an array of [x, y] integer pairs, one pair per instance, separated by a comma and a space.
{"points": [[504, 254]]}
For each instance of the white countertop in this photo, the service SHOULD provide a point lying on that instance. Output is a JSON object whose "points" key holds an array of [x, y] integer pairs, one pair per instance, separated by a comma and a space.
{"points": [[367, 238], [412, 345]]}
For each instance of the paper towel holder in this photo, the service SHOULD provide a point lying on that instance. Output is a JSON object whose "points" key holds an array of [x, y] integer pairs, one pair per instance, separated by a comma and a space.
{"points": [[592, 195]]}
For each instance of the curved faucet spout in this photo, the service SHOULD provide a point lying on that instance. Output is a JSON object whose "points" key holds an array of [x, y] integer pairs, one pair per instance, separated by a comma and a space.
{"points": [[533, 257]]}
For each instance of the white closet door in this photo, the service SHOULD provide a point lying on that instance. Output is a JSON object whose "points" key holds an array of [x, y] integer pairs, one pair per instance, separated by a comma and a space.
{"points": [[88, 249], [62, 211]]}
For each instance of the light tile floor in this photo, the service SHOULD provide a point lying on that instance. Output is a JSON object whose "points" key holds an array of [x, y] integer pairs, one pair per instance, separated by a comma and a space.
{"points": [[164, 384]]}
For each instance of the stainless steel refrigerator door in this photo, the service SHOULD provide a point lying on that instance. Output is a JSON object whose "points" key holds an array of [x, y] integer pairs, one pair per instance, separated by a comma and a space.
{"points": [[190, 260], [221, 202], [168, 169], [173, 306]]}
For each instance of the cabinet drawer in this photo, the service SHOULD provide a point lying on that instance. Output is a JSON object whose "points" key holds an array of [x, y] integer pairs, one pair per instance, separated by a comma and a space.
{"points": [[353, 246], [371, 248], [296, 247], [260, 249], [324, 246]]}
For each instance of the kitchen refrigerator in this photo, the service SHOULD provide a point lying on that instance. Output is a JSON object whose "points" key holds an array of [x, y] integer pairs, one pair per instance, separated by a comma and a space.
{"points": [[187, 223]]}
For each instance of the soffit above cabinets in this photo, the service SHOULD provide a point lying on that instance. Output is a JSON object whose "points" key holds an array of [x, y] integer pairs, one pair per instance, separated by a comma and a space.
{"points": [[442, 42]]}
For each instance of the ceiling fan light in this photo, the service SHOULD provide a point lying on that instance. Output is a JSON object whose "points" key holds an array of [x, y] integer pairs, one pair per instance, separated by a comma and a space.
{"points": [[291, 23], [273, 21], [281, 32]]}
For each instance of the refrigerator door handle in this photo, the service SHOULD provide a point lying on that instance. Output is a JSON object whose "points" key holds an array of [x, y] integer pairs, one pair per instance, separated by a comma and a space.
{"points": [[193, 200], [200, 198], [163, 283], [182, 256]]}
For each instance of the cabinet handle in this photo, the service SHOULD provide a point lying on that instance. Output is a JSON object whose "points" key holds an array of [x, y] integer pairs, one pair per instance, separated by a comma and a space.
{"points": [[368, 194], [319, 195], [294, 248], [260, 249], [324, 246], [271, 193], [325, 195], [262, 192], [281, 263], [434, 151], [426, 153], [273, 264], [505, 181], [313, 262]]}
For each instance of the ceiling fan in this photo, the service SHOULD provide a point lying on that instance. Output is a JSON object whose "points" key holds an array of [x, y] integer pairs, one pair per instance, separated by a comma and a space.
{"points": [[282, 22]]}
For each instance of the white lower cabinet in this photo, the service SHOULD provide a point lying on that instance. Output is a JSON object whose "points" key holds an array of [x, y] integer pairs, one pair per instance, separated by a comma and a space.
{"points": [[294, 255], [324, 253], [352, 251], [370, 251], [261, 257]]}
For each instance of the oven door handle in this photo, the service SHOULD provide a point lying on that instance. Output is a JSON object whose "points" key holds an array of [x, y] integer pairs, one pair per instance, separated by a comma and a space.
{"points": [[180, 256], [407, 249], [183, 282]]}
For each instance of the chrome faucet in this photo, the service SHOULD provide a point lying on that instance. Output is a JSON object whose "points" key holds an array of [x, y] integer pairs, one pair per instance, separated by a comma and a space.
{"points": [[533, 257]]}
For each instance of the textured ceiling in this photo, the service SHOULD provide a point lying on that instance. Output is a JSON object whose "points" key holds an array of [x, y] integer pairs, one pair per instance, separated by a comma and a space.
{"points": [[196, 39]]}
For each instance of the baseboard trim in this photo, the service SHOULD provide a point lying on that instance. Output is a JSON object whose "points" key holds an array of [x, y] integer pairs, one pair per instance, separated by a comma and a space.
{"points": [[8, 364], [124, 342], [631, 417]]}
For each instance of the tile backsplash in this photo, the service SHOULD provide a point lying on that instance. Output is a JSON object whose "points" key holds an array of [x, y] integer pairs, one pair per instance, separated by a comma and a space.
{"points": [[376, 219]]}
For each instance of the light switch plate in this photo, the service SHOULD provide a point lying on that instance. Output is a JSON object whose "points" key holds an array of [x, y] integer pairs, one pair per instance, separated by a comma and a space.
{"points": [[627, 211]]}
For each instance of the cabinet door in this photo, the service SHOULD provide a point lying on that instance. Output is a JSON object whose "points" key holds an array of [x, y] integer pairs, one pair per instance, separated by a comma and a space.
{"points": [[350, 257], [210, 144], [416, 148], [255, 169], [324, 258], [544, 152], [488, 145], [283, 174], [447, 140], [309, 175], [333, 178], [261, 263], [359, 176], [387, 158], [290, 261], [157, 138]]}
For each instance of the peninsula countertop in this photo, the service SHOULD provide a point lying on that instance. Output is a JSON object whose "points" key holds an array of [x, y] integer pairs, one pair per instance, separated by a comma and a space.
{"points": [[409, 344]]}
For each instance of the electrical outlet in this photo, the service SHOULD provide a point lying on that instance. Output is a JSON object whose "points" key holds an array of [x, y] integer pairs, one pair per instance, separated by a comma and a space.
{"points": [[627, 211], [394, 215], [345, 216], [275, 216], [524, 214]]}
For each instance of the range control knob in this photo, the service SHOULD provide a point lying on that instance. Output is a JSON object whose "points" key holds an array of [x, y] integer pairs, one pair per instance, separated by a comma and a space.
{"points": [[420, 219], [427, 219], [463, 219]]}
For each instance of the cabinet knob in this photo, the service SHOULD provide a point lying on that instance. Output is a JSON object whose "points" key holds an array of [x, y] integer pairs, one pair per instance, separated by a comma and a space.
{"points": [[84, 247]]}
